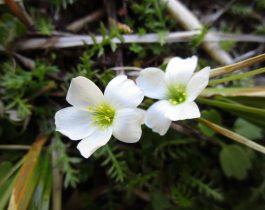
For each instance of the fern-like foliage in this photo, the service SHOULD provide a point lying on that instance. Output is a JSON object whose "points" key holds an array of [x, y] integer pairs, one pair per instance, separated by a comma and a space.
{"points": [[114, 161], [182, 195], [66, 163], [205, 187], [10, 28], [175, 149], [241, 10], [20, 84], [44, 26]]}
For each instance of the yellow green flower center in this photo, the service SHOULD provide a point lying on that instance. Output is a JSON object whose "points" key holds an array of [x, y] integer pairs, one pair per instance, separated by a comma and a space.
{"points": [[102, 115], [176, 94]]}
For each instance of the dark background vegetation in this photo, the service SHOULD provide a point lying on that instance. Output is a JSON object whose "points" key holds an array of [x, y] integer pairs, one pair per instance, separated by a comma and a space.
{"points": [[193, 169]]}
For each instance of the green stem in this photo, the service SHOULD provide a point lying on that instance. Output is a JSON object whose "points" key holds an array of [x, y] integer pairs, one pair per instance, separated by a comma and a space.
{"points": [[230, 106], [236, 77], [236, 66]]}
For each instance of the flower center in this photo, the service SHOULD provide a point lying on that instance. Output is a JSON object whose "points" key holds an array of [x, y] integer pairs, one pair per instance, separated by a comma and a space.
{"points": [[102, 115], [176, 94]]}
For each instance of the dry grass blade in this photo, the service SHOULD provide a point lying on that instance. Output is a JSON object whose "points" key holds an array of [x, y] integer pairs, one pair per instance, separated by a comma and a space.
{"points": [[82, 40], [234, 136], [26, 178], [79, 24], [252, 91], [236, 66]]}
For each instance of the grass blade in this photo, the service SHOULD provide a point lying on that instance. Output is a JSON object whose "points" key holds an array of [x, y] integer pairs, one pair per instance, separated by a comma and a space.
{"points": [[27, 177], [232, 106], [237, 66], [258, 91], [238, 76], [234, 136]]}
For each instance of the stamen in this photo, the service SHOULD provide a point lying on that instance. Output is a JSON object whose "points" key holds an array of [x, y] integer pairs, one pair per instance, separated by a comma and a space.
{"points": [[176, 94], [102, 115]]}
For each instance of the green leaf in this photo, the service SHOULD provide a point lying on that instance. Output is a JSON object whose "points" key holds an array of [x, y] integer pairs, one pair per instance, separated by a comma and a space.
{"points": [[213, 116], [234, 161], [232, 106], [5, 192], [7, 172], [247, 129]]}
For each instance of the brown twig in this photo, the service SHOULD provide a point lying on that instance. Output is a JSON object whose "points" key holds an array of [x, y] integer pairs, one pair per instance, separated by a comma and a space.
{"points": [[110, 6], [20, 13], [26, 62], [79, 24]]}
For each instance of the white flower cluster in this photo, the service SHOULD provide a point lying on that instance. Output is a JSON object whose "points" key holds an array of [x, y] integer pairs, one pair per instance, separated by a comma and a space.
{"points": [[94, 117]]}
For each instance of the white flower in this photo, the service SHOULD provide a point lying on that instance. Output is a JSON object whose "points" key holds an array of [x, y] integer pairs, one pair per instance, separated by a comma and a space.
{"points": [[176, 89], [94, 117]]}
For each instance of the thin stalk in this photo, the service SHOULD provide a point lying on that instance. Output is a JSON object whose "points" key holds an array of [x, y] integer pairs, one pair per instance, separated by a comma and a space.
{"points": [[14, 147], [230, 106], [231, 135], [236, 66], [238, 76]]}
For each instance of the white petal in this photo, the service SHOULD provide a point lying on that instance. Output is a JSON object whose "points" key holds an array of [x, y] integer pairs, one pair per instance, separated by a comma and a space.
{"points": [[123, 93], [83, 93], [97, 139], [127, 125], [73, 123], [152, 82], [187, 110], [179, 71], [156, 119], [197, 83]]}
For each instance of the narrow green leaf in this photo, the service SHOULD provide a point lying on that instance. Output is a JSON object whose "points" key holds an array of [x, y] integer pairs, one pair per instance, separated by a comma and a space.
{"points": [[236, 66], [5, 192], [5, 167], [238, 76], [258, 102], [232, 106], [5, 176]]}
